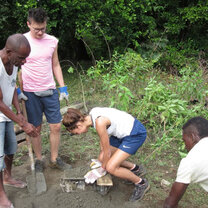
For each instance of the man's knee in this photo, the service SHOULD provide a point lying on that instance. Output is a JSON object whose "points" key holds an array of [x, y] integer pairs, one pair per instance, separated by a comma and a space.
{"points": [[55, 128]]}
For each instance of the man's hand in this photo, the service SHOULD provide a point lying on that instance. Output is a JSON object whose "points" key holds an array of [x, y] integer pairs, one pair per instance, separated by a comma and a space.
{"points": [[21, 95], [21, 117], [63, 93], [30, 129]]}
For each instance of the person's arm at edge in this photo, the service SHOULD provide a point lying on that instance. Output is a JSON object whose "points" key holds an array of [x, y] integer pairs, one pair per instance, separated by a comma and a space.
{"points": [[57, 68], [8, 112], [27, 127], [101, 124], [175, 195]]}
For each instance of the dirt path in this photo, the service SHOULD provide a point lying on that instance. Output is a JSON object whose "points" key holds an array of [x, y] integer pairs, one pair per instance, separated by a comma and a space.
{"points": [[163, 167], [56, 198]]}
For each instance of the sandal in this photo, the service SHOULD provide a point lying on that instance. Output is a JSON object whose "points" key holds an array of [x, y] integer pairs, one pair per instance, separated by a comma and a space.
{"points": [[15, 183], [4, 206]]}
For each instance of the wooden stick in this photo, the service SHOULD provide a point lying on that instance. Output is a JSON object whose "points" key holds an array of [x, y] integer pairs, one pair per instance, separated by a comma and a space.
{"points": [[28, 139]]}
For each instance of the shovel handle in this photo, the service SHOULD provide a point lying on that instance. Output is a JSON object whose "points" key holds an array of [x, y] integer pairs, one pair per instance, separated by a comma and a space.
{"points": [[29, 146]]}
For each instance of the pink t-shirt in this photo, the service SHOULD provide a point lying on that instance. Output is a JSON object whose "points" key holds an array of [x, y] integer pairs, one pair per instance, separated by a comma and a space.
{"points": [[37, 73]]}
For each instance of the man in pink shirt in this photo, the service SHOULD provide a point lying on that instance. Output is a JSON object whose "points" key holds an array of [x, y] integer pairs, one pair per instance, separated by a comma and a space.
{"points": [[40, 87]]}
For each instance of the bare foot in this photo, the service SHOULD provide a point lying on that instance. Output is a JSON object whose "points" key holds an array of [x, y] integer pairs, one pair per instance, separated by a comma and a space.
{"points": [[14, 183], [5, 203], [7, 206]]}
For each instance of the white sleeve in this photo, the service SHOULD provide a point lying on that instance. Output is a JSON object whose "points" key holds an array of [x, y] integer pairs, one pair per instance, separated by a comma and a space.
{"points": [[185, 171]]}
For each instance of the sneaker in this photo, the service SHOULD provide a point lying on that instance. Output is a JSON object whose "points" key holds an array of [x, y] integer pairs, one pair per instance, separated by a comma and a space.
{"points": [[59, 164], [141, 172], [39, 166], [139, 191]]}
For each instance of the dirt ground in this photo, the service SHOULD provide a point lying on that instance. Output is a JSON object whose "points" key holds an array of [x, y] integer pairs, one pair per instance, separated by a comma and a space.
{"points": [[56, 198], [118, 195]]}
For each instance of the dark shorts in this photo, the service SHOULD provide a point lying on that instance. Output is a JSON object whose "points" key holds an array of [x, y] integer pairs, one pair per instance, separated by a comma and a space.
{"points": [[133, 142], [48, 105], [8, 142]]}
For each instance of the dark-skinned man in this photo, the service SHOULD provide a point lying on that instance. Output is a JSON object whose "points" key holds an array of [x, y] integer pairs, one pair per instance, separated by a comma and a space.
{"points": [[194, 167], [12, 56]]}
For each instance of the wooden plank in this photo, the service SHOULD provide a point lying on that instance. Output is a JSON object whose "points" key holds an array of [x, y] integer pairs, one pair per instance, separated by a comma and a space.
{"points": [[105, 180], [21, 137], [17, 129]]}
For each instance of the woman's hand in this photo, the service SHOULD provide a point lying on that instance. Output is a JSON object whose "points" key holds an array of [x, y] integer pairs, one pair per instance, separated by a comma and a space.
{"points": [[106, 158]]}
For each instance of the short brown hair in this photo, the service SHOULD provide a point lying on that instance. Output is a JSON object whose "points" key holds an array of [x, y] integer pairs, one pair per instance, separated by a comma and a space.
{"points": [[38, 15], [71, 117]]}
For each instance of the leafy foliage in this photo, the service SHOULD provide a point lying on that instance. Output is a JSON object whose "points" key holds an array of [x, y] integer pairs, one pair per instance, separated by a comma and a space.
{"points": [[116, 74], [164, 106], [111, 25]]}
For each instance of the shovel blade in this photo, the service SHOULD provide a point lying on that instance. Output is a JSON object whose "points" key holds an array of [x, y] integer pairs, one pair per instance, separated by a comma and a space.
{"points": [[40, 183], [31, 184], [36, 183]]}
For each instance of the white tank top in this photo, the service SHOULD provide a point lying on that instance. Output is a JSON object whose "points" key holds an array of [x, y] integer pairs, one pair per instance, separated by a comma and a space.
{"points": [[7, 85]]}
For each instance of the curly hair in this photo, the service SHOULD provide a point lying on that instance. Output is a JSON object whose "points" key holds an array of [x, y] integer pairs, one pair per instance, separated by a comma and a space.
{"points": [[38, 15], [197, 125], [71, 117]]}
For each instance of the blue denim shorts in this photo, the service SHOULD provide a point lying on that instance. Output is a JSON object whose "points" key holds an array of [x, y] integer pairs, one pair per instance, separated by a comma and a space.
{"points": [[133, 142], [8, 142], [48, 105]]}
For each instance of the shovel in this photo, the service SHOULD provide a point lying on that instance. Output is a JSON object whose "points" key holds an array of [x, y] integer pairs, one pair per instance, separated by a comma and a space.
{"points": [[36, 183]]}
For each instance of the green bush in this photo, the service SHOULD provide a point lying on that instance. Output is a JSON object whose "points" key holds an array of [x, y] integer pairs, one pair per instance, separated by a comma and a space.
{"points": [[162, 101], [109, 26]]}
